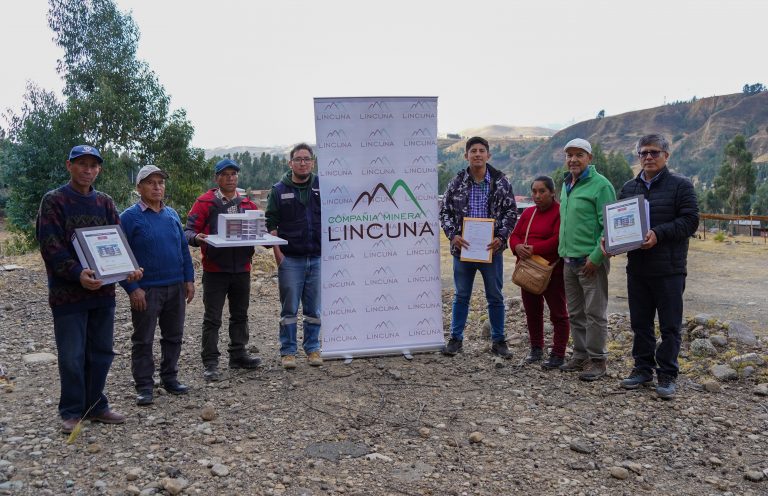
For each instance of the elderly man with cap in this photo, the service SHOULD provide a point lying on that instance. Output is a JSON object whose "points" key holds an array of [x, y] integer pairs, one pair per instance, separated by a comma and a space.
{"points": [[156, 236], [585, 192], [83, 307], [226, 272]]}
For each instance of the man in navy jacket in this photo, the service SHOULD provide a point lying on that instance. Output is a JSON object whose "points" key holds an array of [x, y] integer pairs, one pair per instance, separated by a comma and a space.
{"points": [[656, 271]]}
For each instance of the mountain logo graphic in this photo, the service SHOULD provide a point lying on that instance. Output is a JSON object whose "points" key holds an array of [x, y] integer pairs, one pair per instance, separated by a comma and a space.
{"points": [[383, 271], [343, 300], [386, 325], [421, 105], [337, 134], [341, 274], [422, 160], [365, 195], [383, 244], [338, 164], [378, 106], [384, 298], [423, 187], [426, 322], [425, 268], [342, 246], [426, 295], [421, 133], [380, 133], [341, 328], [421, 242], [339, 191], [380, 161], [334, 107]]}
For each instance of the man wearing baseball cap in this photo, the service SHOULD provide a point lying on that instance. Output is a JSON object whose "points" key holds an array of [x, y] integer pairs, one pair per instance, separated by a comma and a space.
{"points": [[83, 307], [226, 272], [584, 193], [157, 239]]}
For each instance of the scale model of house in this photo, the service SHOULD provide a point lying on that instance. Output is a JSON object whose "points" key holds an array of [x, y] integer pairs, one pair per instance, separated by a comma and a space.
{"points": [[242, 227]]}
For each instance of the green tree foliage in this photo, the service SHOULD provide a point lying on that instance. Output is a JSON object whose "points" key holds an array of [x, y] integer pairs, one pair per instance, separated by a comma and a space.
{"points": [[112, 101], [600, 115], [117, 98], [257, 172], [613, 166], [735, 182], [751, 89], [760, 205]]}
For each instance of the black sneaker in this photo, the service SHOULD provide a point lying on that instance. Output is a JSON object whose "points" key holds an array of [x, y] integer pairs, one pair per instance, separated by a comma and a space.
{"points": [[453, 347], [144, 397], [500, 348], [211, 373], [175, 387], [535, 355], [636, 379], [244, 362], [553, 362]]}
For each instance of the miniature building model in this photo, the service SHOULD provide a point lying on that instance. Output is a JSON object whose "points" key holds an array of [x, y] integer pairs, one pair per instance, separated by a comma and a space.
{"points": [[242, 227]]}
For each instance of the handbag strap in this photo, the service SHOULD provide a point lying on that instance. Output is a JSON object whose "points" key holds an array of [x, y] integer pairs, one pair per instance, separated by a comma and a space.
{"points": [[552, 264], [529, 226]]}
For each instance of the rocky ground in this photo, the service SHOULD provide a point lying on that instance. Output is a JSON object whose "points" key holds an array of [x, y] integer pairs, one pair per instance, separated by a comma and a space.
{"points": [[432, 425]]}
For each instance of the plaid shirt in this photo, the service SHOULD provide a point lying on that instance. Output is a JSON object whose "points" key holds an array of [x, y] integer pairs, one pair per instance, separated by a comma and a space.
{"points": [[232, 208], [478, 196]]}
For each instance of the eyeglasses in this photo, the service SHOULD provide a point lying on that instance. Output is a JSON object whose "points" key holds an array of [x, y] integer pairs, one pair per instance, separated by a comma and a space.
{"points": [[652, 153], [302, 160]]}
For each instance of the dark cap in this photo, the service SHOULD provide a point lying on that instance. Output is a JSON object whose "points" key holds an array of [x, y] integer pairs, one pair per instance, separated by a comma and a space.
{"points": [[227, 163], [80, 150]]}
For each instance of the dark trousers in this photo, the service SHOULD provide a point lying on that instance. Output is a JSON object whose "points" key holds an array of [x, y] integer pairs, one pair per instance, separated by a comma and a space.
{"points": [[84, 346], [218, 286], [647, 297], [165, 306], [554, 295]]}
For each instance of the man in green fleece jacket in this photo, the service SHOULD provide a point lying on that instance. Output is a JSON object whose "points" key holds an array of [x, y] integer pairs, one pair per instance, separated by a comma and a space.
{"points": [[584, 193]]}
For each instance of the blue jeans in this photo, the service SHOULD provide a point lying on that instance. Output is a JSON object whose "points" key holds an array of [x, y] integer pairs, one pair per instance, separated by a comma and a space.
{"points": [[299, 280], [649, 296], [84, 346], [493, 279]]}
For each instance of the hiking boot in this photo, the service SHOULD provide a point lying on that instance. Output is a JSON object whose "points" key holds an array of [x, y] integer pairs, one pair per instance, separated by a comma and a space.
{"points": [[288, 361], [501, 349], [453, 347], [553, 362], [595, 369], [574, 364], [108, 417], [68, 425], [314, 359], [666, 388], [144, 397], [211, 373], [244, 362], [535, 355], [636, 379]]}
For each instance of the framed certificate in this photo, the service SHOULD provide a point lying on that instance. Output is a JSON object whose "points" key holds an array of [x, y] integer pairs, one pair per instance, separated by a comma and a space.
{"points": [[626, 224], [479, 234], [104, 250]]}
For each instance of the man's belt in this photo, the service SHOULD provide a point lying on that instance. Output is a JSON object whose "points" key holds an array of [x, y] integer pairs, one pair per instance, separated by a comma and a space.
{"points": [[575, 260]]}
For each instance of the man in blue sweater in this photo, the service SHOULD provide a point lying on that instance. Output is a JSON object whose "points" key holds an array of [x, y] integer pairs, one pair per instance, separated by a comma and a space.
{"points": [[83, 307], [156, 236]]}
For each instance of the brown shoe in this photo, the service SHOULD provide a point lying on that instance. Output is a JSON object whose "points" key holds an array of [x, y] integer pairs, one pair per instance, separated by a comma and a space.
{"points": [[315, 359], [68, 425], [574, 365], [288, 361], [108, 417], [594, 370]]}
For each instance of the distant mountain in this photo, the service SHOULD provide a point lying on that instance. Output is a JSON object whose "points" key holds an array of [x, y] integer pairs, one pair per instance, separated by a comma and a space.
{"points": [[698, 130], [514, 132], [220, 151]]}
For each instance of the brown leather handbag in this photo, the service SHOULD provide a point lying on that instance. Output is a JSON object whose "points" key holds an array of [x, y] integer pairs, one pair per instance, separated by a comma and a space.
{"points": [[530, 275]]}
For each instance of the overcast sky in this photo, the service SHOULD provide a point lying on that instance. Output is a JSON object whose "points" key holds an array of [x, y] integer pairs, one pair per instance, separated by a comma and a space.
{"points": [[247, 71]]}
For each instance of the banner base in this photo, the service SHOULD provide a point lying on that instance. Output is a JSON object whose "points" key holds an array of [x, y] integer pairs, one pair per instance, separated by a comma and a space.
{"points": [[388, 351]]}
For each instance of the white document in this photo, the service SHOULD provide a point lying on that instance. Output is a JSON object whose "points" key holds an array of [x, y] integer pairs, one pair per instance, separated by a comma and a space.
{"points": [[479, 234], [626, 224]]}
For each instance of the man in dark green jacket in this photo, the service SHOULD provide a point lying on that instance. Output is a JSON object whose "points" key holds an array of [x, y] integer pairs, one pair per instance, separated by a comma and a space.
{"points": [[585, 192]]}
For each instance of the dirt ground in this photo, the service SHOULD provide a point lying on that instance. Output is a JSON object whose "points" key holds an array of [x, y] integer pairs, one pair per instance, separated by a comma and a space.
{"points": [[467, 425]]}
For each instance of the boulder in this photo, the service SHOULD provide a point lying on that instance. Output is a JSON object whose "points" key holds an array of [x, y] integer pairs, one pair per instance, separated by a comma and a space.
{"points": [[703, 348], [741, 332]]}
